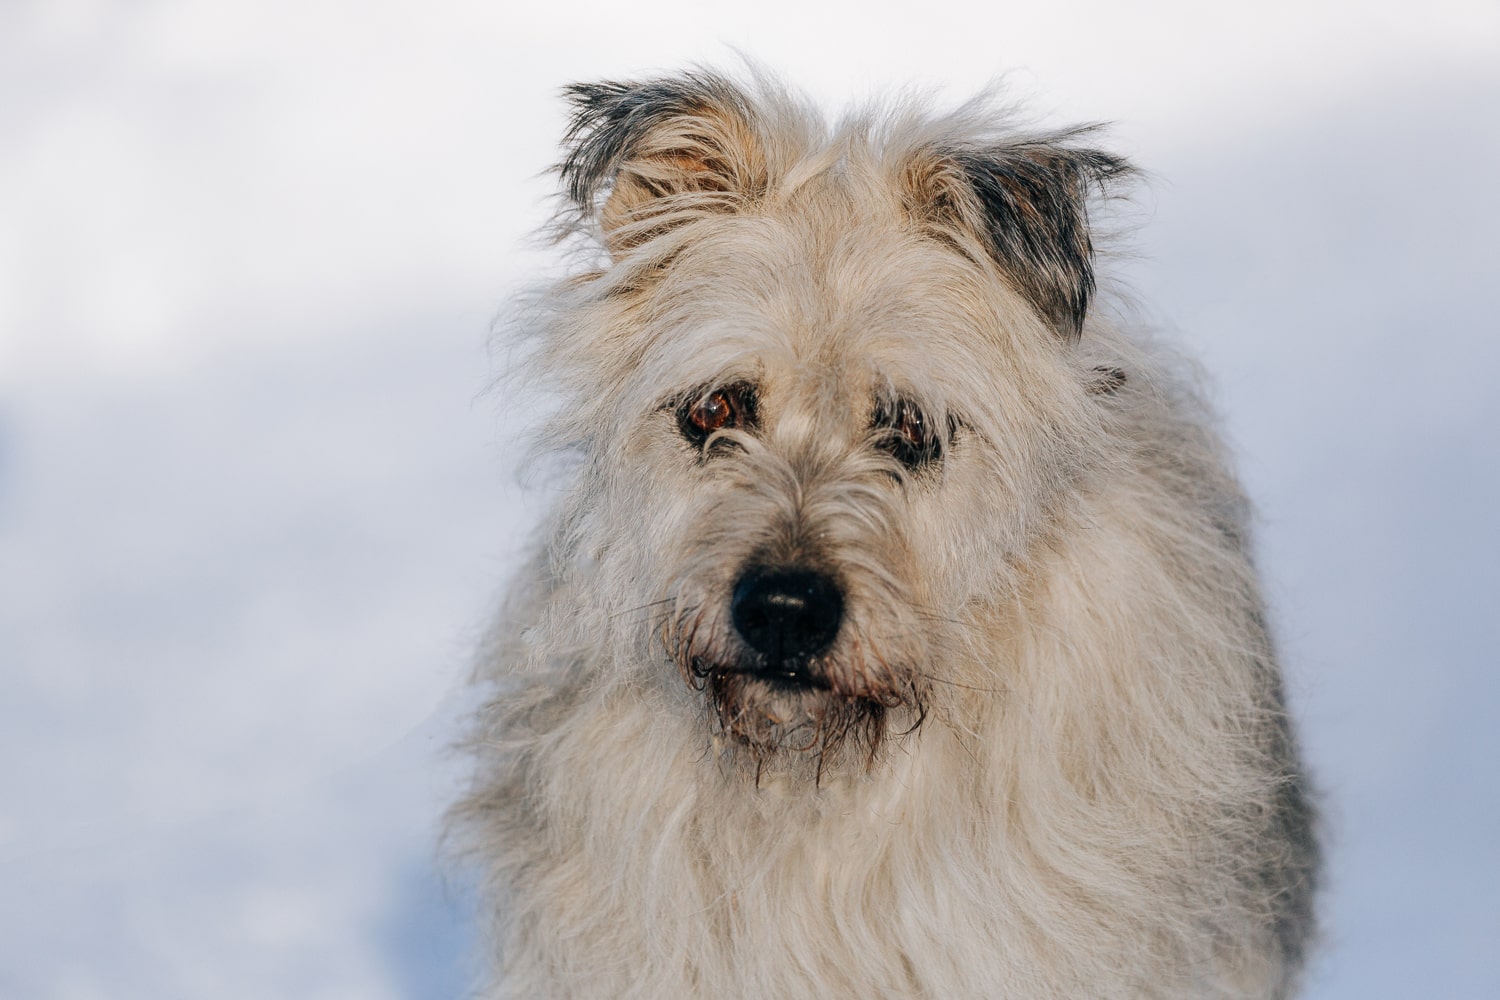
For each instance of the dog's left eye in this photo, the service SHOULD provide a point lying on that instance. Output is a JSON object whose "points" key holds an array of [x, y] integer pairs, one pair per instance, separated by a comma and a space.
{"points": [[907, 433], [725, 408]]}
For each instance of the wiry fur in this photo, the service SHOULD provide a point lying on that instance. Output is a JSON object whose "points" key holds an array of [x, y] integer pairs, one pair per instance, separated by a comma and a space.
{"points": [[1047, 755]]}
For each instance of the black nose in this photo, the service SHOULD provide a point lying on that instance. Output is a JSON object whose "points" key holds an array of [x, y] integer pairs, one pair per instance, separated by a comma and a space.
{"points": [[787, 614]]}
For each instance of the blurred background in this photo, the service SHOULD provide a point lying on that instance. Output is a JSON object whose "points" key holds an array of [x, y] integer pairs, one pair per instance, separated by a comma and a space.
{"points": [[257, 496]]}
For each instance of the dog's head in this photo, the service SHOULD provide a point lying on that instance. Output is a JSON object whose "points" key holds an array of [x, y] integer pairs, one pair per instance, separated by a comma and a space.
{"points": [[828, 387]]}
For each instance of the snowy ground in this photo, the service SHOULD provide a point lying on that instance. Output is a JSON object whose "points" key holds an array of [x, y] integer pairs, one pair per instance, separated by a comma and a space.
{"points": [[255, 499]]}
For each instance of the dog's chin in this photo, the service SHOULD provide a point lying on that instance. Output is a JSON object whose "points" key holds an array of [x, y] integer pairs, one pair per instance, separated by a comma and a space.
{"points": [[792, 709]]}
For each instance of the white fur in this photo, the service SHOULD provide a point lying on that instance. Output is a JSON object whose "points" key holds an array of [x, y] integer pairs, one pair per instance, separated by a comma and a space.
{"points": [[1103, 799]]}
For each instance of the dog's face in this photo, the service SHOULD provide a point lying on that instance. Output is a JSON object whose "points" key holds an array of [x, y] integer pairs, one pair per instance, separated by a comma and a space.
{"points": [[830, 406]]}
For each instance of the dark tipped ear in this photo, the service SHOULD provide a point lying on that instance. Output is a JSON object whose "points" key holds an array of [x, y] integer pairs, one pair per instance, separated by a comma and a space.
{"points": [[666, 151], [1027, 205]]}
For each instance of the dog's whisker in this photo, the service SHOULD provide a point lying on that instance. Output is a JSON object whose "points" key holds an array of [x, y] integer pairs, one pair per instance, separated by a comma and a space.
{"points": [[946, 619], [949, 682], [641, 607]]}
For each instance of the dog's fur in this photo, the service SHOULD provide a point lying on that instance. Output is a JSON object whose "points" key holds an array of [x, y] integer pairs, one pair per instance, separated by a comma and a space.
{"points": [[1045, 752]]}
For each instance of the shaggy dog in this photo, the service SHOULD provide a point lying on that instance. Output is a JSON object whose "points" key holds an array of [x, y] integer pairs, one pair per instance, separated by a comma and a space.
{"points": [[895, 634]]}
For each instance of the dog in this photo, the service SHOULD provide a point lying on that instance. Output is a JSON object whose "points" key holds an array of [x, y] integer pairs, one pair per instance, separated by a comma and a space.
{"points": [[894, 634]]}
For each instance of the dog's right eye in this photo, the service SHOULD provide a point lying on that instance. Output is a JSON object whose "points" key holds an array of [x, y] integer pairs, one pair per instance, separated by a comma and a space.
{"points": [[907, 433], [725, 408]]}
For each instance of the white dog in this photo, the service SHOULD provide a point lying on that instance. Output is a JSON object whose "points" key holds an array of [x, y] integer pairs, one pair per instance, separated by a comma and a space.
{"points": [[896, 635]]}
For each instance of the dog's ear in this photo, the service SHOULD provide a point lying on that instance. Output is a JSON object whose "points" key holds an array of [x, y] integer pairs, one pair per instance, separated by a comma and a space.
{"points": [[1026, 203], [666, 151]]}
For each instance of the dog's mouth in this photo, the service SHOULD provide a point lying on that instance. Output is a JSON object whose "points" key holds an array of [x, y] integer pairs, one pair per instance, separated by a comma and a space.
{"points": [[796, 707], [794, 675]]}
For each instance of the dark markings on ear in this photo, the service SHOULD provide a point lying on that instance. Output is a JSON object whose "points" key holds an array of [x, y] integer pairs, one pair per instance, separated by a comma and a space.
{"points": [[1028, 203], [1106, 380], [655, 145]]}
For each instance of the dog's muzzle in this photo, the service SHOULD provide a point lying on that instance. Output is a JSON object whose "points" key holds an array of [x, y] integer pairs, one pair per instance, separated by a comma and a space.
{"points": [[788, 616]]}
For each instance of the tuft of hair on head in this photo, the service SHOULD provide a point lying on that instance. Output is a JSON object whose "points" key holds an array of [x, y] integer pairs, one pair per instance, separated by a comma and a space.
{"points": [[667, 151]]}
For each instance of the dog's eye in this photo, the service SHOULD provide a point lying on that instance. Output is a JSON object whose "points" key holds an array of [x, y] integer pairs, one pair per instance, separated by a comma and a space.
{"points": [[907, 433], [725, 408]]}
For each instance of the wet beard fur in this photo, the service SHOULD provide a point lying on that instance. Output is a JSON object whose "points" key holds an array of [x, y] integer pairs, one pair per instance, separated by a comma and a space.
{"points": [[778, 725]]}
